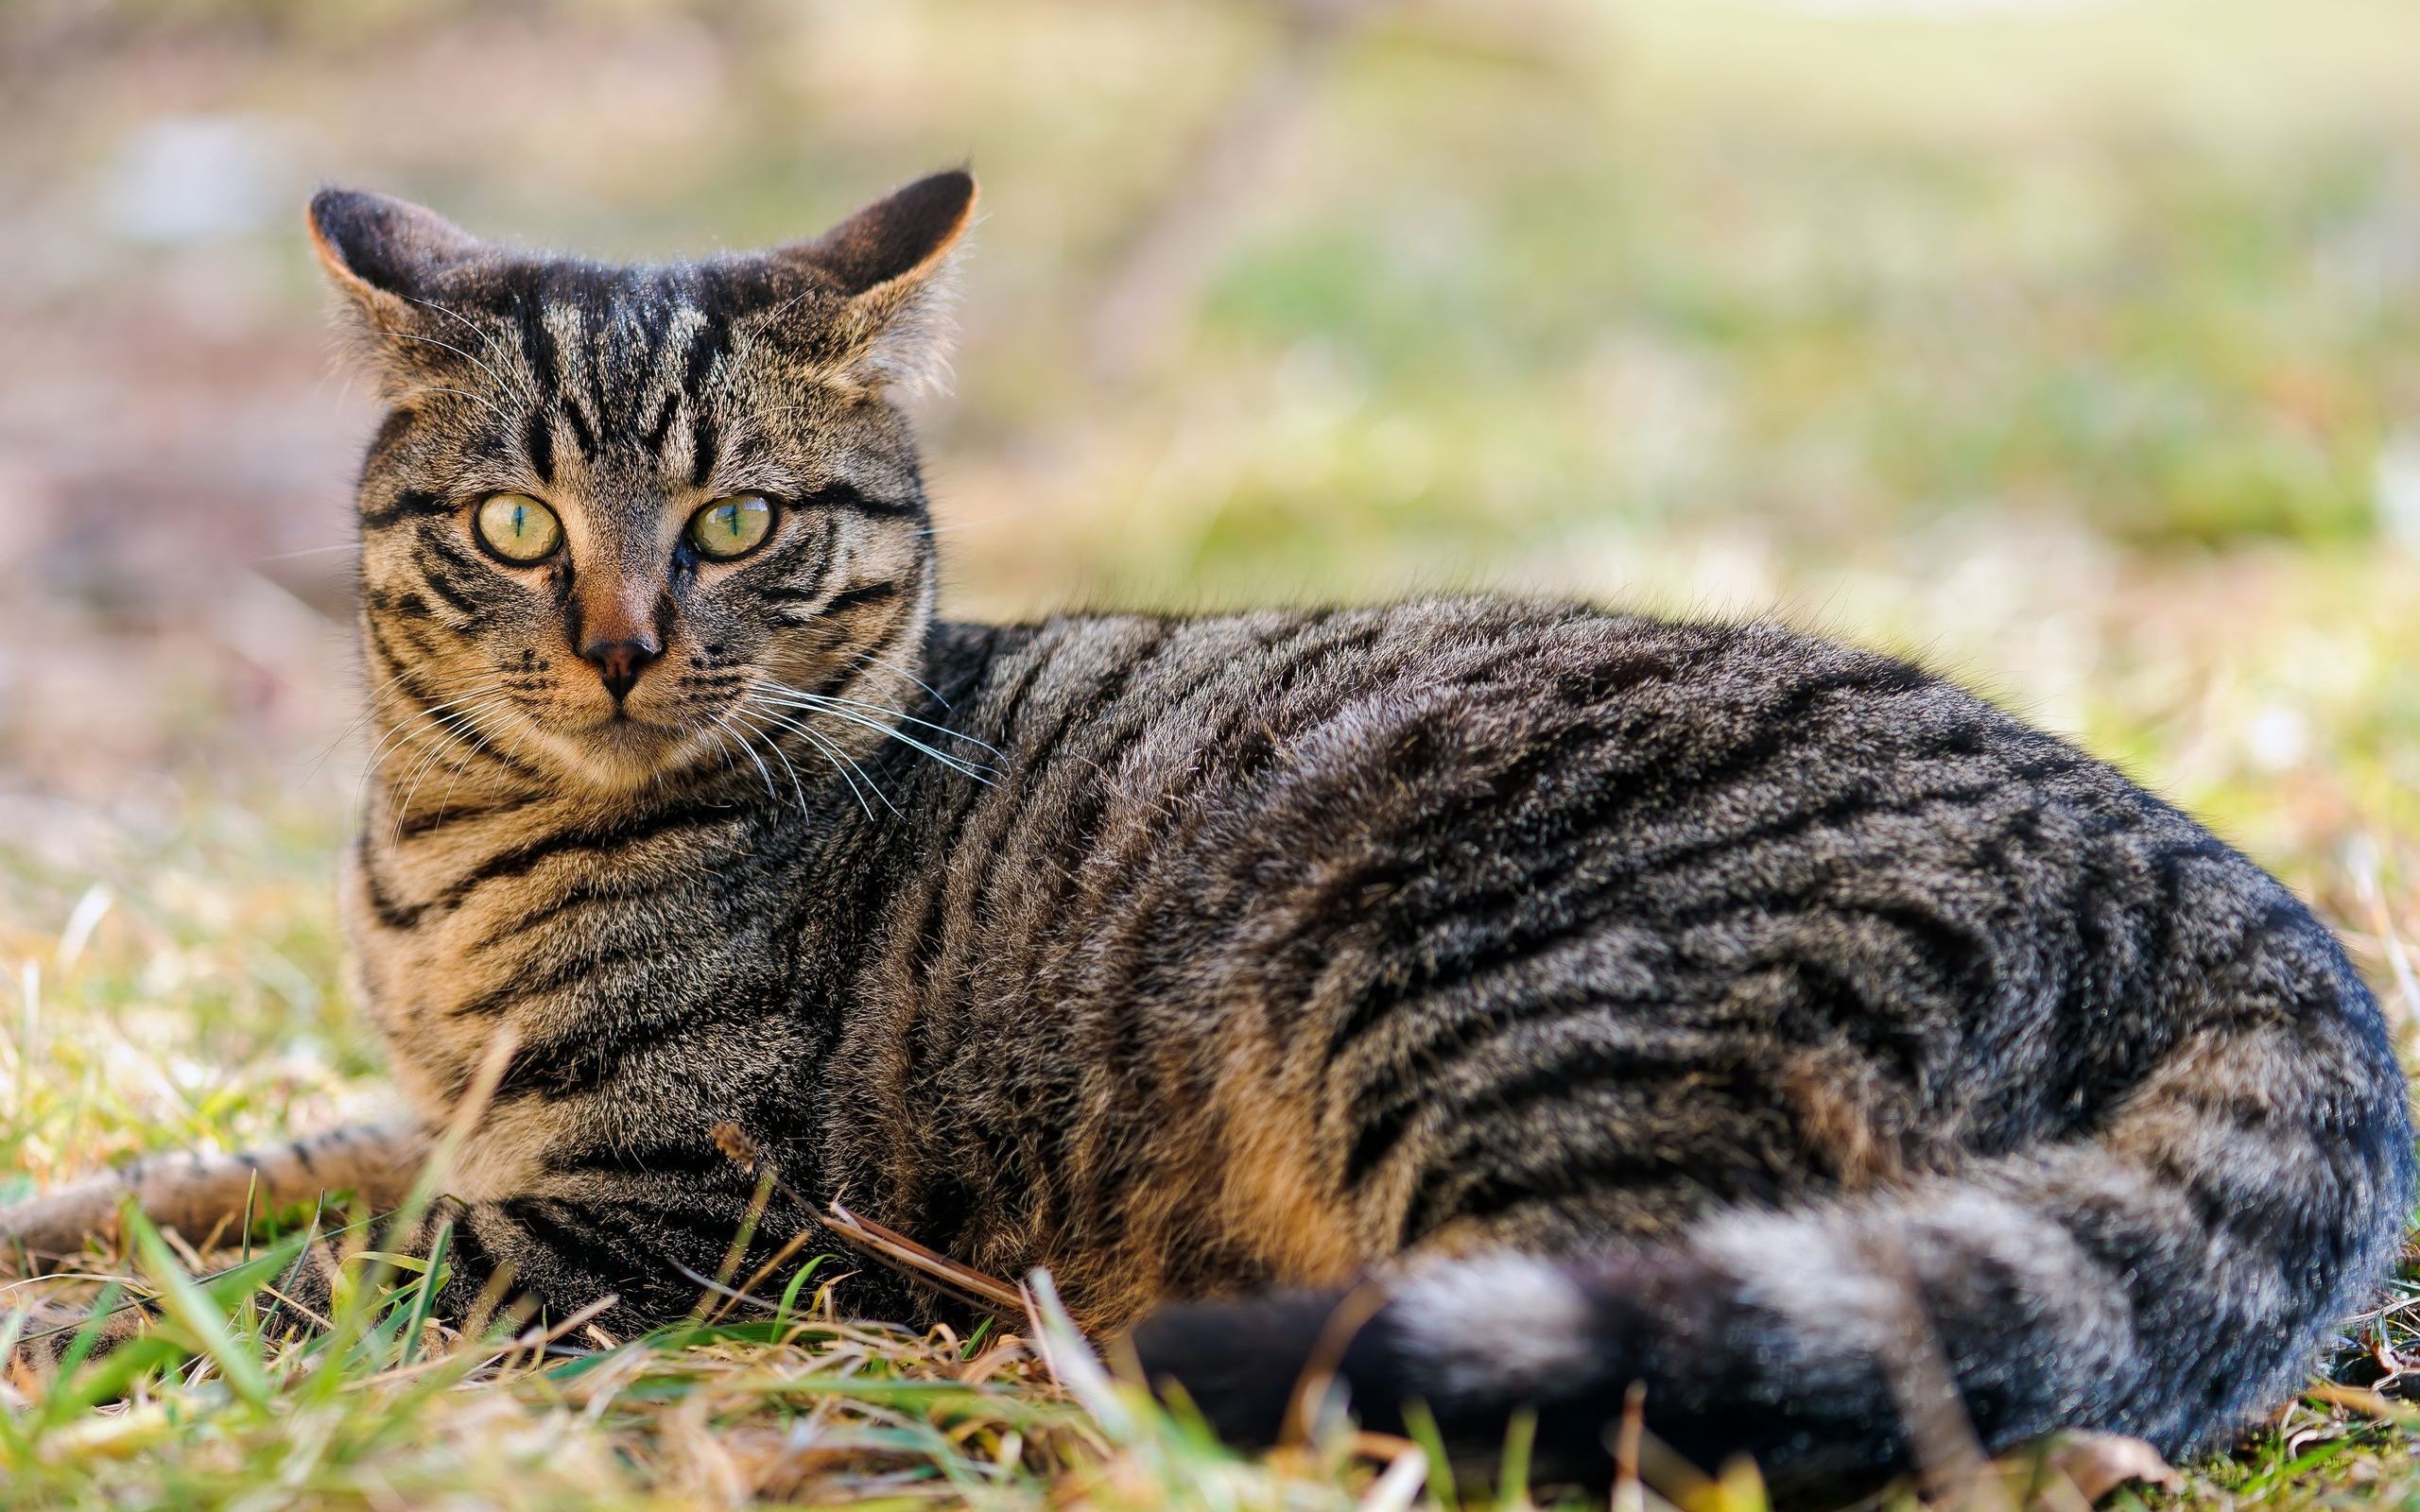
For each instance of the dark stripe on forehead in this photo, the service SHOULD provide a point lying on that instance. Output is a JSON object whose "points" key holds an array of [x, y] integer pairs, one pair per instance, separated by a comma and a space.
{"points": [[487, 442], [539, 439], [661, 425], [536, 342], [544, 357], [583, 435], [746, 448], [702, 437], [708, 344], [597, 323]]}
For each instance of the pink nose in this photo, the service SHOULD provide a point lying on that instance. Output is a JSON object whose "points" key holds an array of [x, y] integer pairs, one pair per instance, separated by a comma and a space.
{"points": [[619, 662]]}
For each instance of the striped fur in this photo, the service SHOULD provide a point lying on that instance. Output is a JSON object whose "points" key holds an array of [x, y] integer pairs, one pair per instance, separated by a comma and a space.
{"points": [[1700, 1004]]}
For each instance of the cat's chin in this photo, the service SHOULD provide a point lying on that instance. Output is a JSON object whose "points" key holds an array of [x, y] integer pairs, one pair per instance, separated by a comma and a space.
{"points": [[621, 754]]}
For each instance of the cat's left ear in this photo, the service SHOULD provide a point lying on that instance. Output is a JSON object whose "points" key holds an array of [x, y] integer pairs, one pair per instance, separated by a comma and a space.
{"points": [[386, 255], [390, 259], [883, 275]]}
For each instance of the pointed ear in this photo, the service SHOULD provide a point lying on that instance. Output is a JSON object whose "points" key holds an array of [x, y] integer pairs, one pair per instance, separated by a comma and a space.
{"points": [[889, 265], [900, 238], [385, 254]]}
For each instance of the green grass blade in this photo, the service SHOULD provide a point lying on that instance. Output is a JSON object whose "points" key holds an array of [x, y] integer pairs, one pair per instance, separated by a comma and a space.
{"points": [[425, 1294], [185, 1302]]}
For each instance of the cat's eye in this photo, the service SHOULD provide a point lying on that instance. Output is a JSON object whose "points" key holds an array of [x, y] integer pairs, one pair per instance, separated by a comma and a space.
{"points": [[517, 527], [733, 525]]}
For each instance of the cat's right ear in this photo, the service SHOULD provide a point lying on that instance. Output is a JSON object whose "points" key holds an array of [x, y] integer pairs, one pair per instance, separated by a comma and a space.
{"points": [[385, 255]]}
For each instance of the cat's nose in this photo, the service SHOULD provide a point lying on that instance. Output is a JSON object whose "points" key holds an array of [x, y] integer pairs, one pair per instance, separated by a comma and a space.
{"points": [[619, 662]]}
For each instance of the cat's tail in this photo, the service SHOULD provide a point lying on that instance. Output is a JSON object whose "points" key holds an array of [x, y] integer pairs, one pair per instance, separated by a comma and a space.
{"points": [[2165, 1276]]}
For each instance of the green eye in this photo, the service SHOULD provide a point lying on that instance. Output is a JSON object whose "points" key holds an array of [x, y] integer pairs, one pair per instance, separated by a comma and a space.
{"points": [[518, 529], [733, 525]]}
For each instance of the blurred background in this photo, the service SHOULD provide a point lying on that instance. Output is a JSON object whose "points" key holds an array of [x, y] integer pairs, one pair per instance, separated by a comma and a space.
{"points": [[2074, 347]]}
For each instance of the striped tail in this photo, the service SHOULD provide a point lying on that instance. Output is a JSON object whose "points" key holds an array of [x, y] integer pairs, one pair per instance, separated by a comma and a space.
{"points": [[2165, 1275]]}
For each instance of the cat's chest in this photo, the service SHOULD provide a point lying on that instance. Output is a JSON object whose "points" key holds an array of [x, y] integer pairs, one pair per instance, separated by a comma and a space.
{"points": [[594, 950]]}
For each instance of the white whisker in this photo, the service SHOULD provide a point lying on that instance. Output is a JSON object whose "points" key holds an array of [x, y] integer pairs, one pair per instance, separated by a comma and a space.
{"points": [[309, 551], [749, 751], [491, 339], [477, 399], [454, 736], [509, 386], [833, 756], [980, 774], [427, 719], [798, 790], [479, 737], [369, 712], [825, 699], [881, 665]]}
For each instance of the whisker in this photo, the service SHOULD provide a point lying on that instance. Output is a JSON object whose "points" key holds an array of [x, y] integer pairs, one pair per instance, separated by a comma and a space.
{"points": [[980, 774], [851, 773], [489, 336], [749, 751], [460, 710], [454, 736], [428, 718], [510, 388], [309, 551], [880, 665], [477, 399], [491, 339], [859, 780], [478, 736], [449, 740], [798, 790], [877, 709], [833, 756], [426, 712], [368, 712], [979, 520], [722, 747]]}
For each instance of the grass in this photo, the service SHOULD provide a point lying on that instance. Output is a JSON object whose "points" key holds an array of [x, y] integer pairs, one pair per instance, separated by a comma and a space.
{"points": [[2070, 350]]}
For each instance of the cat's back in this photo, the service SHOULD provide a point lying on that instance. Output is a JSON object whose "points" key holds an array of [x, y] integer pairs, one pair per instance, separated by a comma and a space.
{"points": [[1361, 865], [1438, 712], [1445, 784]]}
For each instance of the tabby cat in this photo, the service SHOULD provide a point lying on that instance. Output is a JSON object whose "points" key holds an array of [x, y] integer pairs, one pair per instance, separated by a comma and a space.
{"points": [[1591, 999]]}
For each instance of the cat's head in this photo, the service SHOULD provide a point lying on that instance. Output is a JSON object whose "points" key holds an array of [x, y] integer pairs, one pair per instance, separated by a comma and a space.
{"points": [[617, 517]]}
